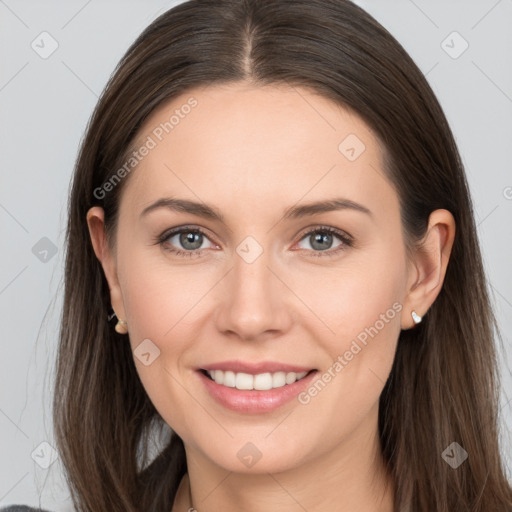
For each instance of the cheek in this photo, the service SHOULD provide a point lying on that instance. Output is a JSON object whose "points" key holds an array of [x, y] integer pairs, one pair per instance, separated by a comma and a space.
{"points": [[359, 306], [164, 301], [365, 290], [162, 304]]}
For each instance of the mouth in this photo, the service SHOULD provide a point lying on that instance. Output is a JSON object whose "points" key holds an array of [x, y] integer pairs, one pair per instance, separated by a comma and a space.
{"points": [[254, 393], [258, 382]]}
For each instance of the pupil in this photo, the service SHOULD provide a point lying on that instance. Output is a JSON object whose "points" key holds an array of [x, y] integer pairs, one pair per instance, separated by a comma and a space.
{"points": [[190, 237], [319, 238]]}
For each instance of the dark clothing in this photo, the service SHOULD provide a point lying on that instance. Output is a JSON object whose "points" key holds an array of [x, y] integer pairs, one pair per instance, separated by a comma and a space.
{"points": [[21, 508]]}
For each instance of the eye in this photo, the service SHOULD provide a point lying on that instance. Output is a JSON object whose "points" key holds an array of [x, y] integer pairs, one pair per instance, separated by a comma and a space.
{"points": [[188, 238], [188, 241], [321, 240]]}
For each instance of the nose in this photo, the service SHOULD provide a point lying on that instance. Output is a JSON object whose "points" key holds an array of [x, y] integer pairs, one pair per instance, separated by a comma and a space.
{"points": [[255, 301]]}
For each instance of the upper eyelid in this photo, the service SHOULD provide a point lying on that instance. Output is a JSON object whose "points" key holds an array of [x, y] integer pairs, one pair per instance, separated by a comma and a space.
{"points": [[183, 229], [329, 229]]}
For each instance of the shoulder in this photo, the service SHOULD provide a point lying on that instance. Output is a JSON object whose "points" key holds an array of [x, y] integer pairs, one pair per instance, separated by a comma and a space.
{"points": [[21, 508]]}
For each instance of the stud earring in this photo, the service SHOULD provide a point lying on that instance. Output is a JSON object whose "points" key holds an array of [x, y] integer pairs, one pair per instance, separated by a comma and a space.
{"points": [[416, 317], [121, 326]]}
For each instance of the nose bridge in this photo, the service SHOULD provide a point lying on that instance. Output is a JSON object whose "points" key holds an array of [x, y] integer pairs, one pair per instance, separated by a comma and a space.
{"points": [[251, 276], [253, 298]]}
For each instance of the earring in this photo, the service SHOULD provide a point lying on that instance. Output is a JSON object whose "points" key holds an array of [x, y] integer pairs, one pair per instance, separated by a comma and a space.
{"points": [[416, 317], [121, 326]]}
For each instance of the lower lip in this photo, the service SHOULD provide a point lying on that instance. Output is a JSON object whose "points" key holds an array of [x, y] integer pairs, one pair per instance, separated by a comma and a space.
{"points": [[255, 401]]}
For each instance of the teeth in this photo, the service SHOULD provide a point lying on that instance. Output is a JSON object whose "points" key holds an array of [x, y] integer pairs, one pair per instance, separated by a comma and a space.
{"points": [[261, 381]]}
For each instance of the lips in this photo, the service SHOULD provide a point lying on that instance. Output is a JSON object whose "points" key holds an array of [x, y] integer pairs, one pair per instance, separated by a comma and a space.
{"points": [[237, 366], [246, 399]]}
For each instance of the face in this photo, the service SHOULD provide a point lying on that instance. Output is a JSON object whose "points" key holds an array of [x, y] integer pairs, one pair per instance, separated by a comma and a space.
{"points": [[253, 281]]}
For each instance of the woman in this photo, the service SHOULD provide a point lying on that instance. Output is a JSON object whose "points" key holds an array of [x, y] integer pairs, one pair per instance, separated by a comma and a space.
{"points": [[325, 342]]}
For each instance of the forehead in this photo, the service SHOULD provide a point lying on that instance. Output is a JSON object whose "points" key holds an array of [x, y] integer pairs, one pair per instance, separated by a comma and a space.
{"points": [[246, 146]]}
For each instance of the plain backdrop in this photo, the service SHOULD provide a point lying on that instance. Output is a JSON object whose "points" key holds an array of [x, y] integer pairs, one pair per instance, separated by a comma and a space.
{"points": [[45, 103]]}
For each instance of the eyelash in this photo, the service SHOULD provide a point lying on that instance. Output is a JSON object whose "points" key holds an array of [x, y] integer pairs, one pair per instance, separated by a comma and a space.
{"points": [[346, 239]]}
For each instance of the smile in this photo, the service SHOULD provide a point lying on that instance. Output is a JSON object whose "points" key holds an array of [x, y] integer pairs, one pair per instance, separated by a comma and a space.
{"points": [[254, 393], [260, 381]]}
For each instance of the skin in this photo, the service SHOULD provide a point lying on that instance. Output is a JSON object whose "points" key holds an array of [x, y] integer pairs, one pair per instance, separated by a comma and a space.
{"points": [[287, 305]]}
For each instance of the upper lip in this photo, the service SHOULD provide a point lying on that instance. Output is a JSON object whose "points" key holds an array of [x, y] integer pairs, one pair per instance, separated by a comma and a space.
{"points": [[255, 368]]}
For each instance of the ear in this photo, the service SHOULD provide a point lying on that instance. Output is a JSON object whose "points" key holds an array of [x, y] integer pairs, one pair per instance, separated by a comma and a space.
{"points": [[429, 266], [96, 224]]}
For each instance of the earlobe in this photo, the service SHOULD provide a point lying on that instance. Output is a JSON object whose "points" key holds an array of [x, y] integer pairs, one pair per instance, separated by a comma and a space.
{"points": [[96, 225], [430, 264]]}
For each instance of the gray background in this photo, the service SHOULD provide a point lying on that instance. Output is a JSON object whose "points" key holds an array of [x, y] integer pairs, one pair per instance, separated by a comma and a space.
{"points": [[45, 104]]}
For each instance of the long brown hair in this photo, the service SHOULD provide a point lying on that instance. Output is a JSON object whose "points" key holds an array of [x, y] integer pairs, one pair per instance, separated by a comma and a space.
{"points": [[444, 384]]}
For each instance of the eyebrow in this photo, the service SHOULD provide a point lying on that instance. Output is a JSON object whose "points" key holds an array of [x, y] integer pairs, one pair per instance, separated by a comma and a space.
{"points": [[294, 212]]}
